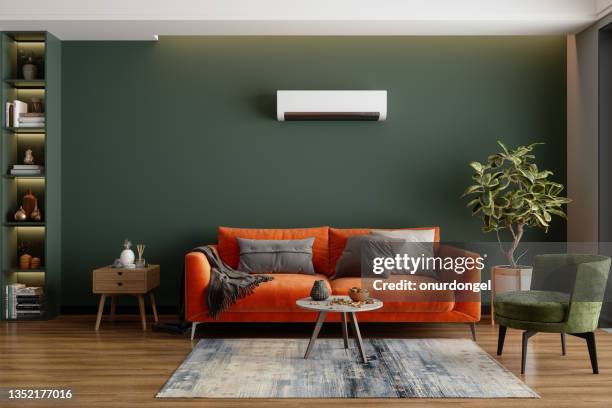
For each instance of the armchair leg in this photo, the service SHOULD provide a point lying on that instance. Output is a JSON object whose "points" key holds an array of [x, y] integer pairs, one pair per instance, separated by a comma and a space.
{"points": [[500, 339], [473, 330], [590, 339], [526, 335], [194, 325], [563, 348]]}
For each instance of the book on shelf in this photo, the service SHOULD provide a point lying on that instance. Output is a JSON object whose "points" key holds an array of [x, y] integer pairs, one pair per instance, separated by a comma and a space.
{"points": [[27, 308], [28, 300], [29, 290], [30, 124], [27, 119], [8, 114], [27, 170], [32, 115], [27, 167]]}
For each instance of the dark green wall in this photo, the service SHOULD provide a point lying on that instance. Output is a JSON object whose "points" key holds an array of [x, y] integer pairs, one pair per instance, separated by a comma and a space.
{"points": [[164, 141]]}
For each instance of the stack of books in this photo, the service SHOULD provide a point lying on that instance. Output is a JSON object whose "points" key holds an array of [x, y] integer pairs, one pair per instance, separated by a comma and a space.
{"points": [[22, 302], [32, 119], [16, 115], [27, 170]]}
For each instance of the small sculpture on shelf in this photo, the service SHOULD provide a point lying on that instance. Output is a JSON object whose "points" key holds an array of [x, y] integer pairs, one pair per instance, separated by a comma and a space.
{"points": [[140, 262], [29, 157], [37, 105]]}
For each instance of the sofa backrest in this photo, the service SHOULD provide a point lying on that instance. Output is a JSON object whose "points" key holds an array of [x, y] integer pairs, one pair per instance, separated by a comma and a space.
{"points": [[229, 251], [328, 245]]}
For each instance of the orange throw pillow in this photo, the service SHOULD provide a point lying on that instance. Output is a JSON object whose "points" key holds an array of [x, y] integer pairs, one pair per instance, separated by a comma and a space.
{"points": [[339, 236], [229, 251]]}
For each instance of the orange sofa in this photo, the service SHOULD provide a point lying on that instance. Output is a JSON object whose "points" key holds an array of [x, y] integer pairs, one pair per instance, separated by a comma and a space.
{"points": [[274, 301]]}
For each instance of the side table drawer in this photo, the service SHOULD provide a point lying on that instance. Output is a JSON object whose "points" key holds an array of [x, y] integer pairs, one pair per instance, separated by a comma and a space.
{"points": [[118, 275], [119, 286]]}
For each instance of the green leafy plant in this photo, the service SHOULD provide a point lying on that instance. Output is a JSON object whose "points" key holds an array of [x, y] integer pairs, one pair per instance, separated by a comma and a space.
{"points": [[510, 192]]}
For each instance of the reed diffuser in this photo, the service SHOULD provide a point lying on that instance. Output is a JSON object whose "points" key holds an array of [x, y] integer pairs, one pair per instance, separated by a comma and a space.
{"points": [[140, 262]]}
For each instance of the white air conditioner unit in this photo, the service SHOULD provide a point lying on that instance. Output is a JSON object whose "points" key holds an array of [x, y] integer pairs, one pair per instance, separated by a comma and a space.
{"points": [[331, 105]]}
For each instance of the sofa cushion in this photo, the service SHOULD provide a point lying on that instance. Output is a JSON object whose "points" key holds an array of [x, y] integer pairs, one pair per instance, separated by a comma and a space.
{"points": [[280, 294], [229, 251], [413, 301], [532, 306], [339, 236], [367, 247], [276, 256]]}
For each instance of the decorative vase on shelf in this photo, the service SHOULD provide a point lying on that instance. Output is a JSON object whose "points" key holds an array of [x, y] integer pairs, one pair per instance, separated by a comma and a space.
{"points": [[30, 71], [35, 263], [36, 215], [24, 261], [127, 255], [20, 215], [319, 291], [29, 203]]}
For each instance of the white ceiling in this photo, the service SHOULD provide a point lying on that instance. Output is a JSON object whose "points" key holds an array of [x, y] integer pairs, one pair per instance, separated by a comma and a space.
{"points": [[145, 19]]}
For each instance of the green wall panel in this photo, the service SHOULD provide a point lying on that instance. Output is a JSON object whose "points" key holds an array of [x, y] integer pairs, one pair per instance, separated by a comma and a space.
{"points": [[164, 141]]}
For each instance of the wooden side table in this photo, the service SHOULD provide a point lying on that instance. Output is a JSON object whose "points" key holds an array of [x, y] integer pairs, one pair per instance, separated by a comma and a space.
{"points": [[111, 282]]}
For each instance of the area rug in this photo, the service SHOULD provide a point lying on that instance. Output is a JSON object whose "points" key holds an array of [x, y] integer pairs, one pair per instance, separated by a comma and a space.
{"points": [[398, 368]]}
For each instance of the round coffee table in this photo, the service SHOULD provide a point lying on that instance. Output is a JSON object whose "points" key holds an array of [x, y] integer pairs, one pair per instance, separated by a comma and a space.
{"points": [[323, 307]]}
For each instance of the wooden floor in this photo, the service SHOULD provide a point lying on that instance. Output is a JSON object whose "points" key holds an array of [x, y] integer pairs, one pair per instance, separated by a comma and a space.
{"points": [[123, 367]]}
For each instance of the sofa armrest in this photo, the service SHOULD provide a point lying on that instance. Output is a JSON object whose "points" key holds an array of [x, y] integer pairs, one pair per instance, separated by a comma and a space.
{"points": [[467, 302], [197, 277]]}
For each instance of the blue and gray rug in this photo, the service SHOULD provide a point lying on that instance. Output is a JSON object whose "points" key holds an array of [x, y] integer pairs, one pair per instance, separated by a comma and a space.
{"points": [[398, 368]]}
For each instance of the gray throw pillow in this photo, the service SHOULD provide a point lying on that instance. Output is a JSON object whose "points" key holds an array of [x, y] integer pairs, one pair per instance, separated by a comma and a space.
{"points": [[276, 256], [363, 249], [418, 243]]}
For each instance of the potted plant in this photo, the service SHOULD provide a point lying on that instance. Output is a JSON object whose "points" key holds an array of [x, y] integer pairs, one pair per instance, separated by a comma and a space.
{"points": [[511, 193]]}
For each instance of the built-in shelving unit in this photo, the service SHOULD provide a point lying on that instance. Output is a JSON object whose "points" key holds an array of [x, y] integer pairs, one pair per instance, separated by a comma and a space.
{"points": [[38, 238]]}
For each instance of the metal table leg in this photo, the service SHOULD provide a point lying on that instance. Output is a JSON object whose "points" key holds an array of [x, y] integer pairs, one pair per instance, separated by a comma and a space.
{"points": [[315, 332], [345, 330], [355, 327]]}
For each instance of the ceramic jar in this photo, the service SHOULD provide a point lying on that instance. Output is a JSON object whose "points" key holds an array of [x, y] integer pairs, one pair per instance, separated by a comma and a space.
{"points": [[319, 290], [29, 70]]}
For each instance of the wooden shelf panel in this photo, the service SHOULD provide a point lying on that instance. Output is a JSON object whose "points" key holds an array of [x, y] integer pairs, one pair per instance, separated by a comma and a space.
{"points": [[19, 270], [25, 129], [13, 176], [26, 83], [24, 224]]}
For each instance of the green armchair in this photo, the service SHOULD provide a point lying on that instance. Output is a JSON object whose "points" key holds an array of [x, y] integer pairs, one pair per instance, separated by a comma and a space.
{"points": [[573, 310]]}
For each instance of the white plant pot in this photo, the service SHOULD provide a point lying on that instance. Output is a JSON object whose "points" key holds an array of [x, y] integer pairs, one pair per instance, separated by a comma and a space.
{"points": [[507, 278]]}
